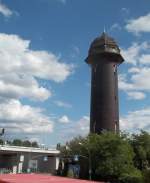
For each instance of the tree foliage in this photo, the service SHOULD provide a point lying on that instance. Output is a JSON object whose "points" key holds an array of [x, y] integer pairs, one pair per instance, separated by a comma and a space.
{"points": [[25, 143], [1, 142], [112, 155], [141, 145], [19, 142]]}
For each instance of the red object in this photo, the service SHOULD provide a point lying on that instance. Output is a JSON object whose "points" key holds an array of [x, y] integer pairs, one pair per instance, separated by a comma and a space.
{"points": [[38, 178]]}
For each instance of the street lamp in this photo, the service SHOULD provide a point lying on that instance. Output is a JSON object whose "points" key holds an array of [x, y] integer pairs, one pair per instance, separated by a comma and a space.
{"points": [[2, 132], [89, 159]]}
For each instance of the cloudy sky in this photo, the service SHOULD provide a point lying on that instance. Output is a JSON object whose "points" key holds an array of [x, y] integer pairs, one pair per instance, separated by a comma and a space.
{"points": [[44, 81]]}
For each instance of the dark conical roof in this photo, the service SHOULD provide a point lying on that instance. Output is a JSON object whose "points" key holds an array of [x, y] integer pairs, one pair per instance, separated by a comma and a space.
{"points": [[103, 39], [104, 44]]}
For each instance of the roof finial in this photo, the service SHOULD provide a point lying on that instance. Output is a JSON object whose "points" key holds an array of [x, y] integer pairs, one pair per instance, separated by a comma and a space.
{"points": [[104, 29]]}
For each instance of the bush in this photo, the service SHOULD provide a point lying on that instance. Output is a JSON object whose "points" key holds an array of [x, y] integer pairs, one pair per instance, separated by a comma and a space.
{"points": [[134, 177], [70, 174]]}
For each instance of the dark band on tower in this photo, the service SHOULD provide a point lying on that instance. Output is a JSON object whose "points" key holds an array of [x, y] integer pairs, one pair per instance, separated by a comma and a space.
{"points": [[104, 57]]}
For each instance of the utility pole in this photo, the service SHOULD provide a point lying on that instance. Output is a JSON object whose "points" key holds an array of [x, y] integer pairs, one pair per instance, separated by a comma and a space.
{"points": [[89, 159]]}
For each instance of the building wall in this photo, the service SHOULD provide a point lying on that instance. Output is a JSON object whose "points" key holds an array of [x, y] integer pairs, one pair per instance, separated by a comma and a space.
{"points": [[21, 162], [8, 160], [48, 166], [104, 96]]}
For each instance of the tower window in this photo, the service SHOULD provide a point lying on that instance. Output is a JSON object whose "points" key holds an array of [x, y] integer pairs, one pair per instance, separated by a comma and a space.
{"points": [[115, 67], [94, 126], [95, 68], [115, 126]]}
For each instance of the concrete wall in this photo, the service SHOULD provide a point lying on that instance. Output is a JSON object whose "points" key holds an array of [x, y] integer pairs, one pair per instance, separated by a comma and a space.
{"points": [[22, 161]]}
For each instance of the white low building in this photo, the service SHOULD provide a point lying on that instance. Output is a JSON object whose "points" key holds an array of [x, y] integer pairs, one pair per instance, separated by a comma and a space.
{"points": [[17, 159]]}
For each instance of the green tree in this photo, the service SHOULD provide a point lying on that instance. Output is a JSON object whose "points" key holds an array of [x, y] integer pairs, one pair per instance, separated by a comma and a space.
{"points": [[1, 142], [69, 150], [141, 146], [17, 142], [114, 157], [73, 147], [34, 144], [26, 143], [111, 156]]}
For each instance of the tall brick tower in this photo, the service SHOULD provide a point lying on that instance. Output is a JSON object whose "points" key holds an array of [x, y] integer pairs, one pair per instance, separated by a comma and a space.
{"points": [[104, 57]]}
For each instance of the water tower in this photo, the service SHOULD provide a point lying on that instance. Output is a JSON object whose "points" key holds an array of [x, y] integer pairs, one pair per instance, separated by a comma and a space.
{"points": [[104, 58]]}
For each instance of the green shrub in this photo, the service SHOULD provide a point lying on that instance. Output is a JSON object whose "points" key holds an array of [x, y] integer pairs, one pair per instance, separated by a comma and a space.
{"points": [[70, 174], [133, 177]]}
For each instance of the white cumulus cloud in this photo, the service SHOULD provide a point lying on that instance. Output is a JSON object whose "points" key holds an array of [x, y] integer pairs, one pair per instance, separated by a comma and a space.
{"points": [[20, 66], [22, 72], [138, 25], [136, 120], [145, 59], [75, 128], [64, 119], [133, 52], [60, 103], [18, 118], [135, 82], [4, 10], [136, 95], [115, 27]]}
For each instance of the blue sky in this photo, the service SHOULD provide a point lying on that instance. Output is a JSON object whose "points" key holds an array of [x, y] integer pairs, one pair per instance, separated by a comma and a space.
{"points": [[44, 81]]}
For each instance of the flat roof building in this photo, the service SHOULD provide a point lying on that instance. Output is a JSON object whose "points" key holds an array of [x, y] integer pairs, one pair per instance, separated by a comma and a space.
{"points": [[17, 159]]}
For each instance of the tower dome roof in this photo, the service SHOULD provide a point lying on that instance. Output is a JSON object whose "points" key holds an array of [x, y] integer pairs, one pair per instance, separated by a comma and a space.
{"points": [[100, 43], [104, 44], [104, 39]]}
